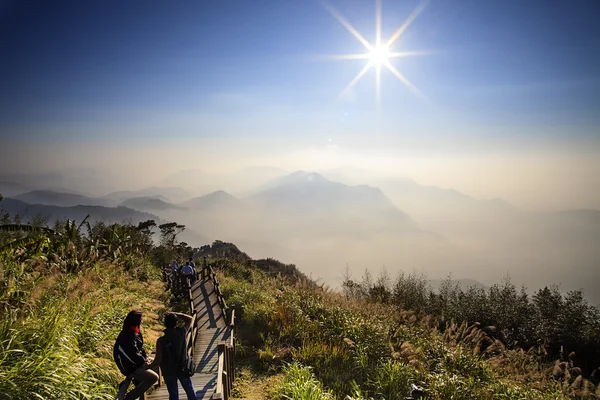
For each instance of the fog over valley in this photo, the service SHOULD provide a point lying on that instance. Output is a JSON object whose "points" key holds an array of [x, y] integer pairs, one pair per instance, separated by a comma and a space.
{"points": [[330, 219]]}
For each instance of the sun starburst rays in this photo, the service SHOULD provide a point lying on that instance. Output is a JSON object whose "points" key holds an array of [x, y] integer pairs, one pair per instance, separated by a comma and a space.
{"points": [[406, 82], [379, 54], [396, 35], [377, 23], [356, 79], [348, 26]]}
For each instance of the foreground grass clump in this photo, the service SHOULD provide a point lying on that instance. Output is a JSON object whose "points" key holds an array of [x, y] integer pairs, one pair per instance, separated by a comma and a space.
{"points": [[329, 346], [299, 383], [57, 329]]}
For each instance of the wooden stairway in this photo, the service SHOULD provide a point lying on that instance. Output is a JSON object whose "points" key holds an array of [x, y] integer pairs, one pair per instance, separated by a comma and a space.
{"points": [[211, 329]]}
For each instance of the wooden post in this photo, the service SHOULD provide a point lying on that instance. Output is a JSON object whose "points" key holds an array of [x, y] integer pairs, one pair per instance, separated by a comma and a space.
{"points": [[221, 371], [226, 369], [225, 385], [191, 298], [230, 367]]}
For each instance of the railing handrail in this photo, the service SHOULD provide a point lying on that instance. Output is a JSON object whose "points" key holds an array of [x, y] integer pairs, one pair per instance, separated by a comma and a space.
{"points": [[225, 349], [194, 325], [220, 370]]}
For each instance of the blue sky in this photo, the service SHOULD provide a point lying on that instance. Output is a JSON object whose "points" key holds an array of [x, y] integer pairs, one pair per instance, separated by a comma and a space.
{"points": [[138, 70], [512, 91]]}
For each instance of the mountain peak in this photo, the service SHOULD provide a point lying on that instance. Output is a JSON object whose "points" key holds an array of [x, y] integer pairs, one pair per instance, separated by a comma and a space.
{"points": [[219, 194], [147, 203], [219, 197], [305, 176]]}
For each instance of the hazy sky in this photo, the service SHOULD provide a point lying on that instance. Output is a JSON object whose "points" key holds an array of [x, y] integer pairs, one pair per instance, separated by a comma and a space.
{"points": [[511, 89]]}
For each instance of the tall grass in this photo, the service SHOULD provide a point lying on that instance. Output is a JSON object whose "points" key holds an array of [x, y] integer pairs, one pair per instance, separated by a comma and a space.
{"points": [[57, 329], [357, 349], [63, 296], [299, 383], [557, 324], [41, 359]]}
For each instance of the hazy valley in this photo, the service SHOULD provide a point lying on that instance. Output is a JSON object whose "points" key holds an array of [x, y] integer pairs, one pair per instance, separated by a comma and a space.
{"points": [[324, 225]]}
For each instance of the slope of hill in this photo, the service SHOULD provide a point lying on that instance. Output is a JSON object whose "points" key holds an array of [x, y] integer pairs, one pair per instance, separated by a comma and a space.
{"points": [[77, 213], [167, 194], [211, 201], [151, 204], [303, 338], [9, 188], [431, 204], [85, 181], [35, 180], [308, 197], [320, 223], [241, 182], [53, 198]]}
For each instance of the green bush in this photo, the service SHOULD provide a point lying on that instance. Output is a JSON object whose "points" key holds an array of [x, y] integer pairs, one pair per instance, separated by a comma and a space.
{"points": [[392, 380], [300, 384]]}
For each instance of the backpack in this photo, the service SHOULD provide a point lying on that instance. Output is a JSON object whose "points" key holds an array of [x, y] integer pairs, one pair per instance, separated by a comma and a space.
{"points": [[186, 367], [189, 366]]}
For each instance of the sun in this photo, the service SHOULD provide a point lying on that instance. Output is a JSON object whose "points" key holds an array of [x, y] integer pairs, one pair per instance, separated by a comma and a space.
{"points": [[379, 54]]}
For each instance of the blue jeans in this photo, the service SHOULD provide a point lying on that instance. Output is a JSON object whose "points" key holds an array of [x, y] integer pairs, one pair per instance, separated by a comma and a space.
{"points": [[186, 383]]}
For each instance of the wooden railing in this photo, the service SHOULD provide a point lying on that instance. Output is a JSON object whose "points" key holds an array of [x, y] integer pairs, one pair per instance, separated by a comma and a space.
{"points": [[226, 348], [208, 272], [226, 367]]}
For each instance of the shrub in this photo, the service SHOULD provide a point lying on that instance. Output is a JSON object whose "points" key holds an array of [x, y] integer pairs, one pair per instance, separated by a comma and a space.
{"points": [[299, 383]]}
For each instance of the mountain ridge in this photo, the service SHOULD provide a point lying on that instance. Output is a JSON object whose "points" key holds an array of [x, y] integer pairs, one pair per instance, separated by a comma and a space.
{"points": [[78, 213], [61, 199]]}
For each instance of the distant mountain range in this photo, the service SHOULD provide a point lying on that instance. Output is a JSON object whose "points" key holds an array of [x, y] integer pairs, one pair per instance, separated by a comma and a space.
{"points": [[77, 213], [9, 188], [87, 181], [166, 194], [240, 183], [321, 224], [308, 200], [53, 198]]}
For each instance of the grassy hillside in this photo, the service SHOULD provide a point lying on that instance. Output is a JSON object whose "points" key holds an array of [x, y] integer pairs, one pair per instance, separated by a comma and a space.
{"points": [[299, 340], [57, 329], [63, 298]]}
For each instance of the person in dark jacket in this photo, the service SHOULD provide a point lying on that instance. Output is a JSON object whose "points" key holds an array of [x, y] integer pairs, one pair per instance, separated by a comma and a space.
{"points": [[171, 353], [131, 358]]}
